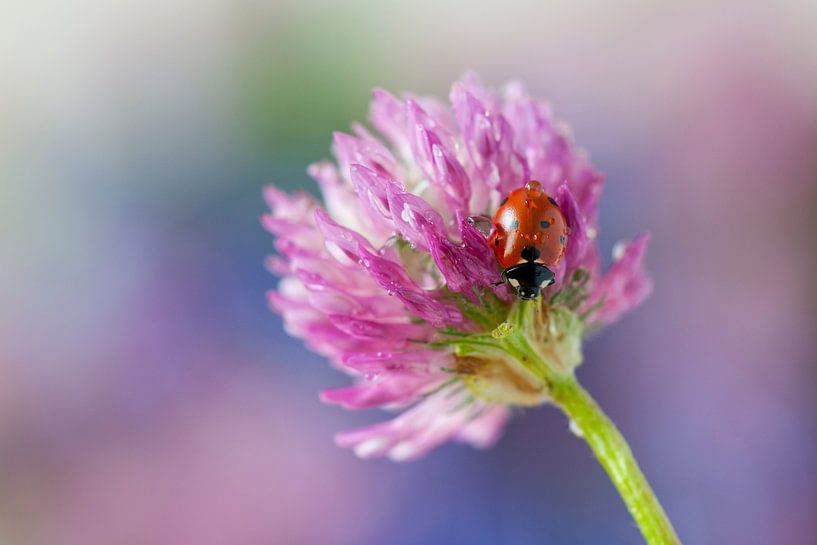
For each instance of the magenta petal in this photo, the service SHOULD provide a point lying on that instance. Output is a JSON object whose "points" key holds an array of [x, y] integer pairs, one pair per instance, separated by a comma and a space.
{"points": [[544, 145], [388, 115], [586, 185], [422, 305], [351, 248], [452, 263], [483, 266], [465, 268], [372, 191], [437, 110], [277, 226], [369, 329], [578, 243], [303, 321], [344, 244], [486, 429], [294, 207], [423, 427], [624, 286], [413, 217], [405, 360], [476, 245], [422, 126], [352, 150], [489, 140], [276, 265], [290, 219], [451, 177], [431, 147], [472, 83], [388, 389]]}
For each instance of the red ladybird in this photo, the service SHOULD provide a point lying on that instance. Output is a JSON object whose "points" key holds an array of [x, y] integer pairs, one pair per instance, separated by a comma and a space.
{"points": [[529, 237]]}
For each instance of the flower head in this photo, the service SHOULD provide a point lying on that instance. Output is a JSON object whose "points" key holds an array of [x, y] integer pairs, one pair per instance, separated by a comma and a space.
{"points": [[390, 279]]}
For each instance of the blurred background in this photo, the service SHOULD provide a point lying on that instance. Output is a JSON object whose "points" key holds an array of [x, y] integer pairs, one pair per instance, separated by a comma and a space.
{"points": [[147, 395]]}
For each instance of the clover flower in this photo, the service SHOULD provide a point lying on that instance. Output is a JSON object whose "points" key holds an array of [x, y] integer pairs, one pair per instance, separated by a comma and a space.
{"points": [[390, 280]]}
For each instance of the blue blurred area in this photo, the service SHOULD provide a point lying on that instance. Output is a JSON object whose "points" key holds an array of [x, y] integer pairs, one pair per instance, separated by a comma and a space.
{"points": [[149, 396]]}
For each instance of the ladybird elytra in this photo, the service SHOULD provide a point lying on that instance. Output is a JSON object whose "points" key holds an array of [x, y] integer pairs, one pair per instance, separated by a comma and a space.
{"points": [[529, 238]]}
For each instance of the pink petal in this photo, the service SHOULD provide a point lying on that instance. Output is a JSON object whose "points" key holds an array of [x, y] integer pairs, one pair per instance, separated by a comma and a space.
{"points": [[366, 151], [431, 146], [485, 430], [624, 286], [413, 217], [428, 424], [580, 251], [372, 188], [395, 333], [391, 389], [351, 248], [586, 184], [407, 360], [388, 115], [489, 139]]}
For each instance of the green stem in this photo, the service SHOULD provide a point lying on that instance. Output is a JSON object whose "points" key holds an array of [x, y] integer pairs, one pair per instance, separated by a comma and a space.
{"points": [[615, 455]]}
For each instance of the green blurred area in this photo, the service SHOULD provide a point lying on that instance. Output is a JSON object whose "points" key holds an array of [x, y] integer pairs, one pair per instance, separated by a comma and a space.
{"points": [[299, 83]]}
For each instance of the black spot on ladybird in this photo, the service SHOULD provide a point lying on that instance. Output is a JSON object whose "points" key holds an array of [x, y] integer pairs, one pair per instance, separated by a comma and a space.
{"points": [[551, 201], [544, 223], [562, 240], [496, 241], [515, 224]]}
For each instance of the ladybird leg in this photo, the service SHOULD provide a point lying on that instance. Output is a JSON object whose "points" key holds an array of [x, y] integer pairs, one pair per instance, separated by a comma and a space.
{"points": [[482, 223], [504, 279]]}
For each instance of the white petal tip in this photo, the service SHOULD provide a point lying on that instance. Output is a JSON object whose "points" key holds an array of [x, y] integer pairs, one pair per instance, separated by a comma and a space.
{"points": [[403, 451], [370, 447]]}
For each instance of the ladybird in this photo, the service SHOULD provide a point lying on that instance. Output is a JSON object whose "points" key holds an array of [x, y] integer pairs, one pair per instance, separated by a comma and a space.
{"points": [[529, 238]]}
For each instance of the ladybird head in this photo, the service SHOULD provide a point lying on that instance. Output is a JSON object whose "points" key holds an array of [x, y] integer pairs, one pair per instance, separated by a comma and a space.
{"points": [[528, 279], [528, 292]]}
